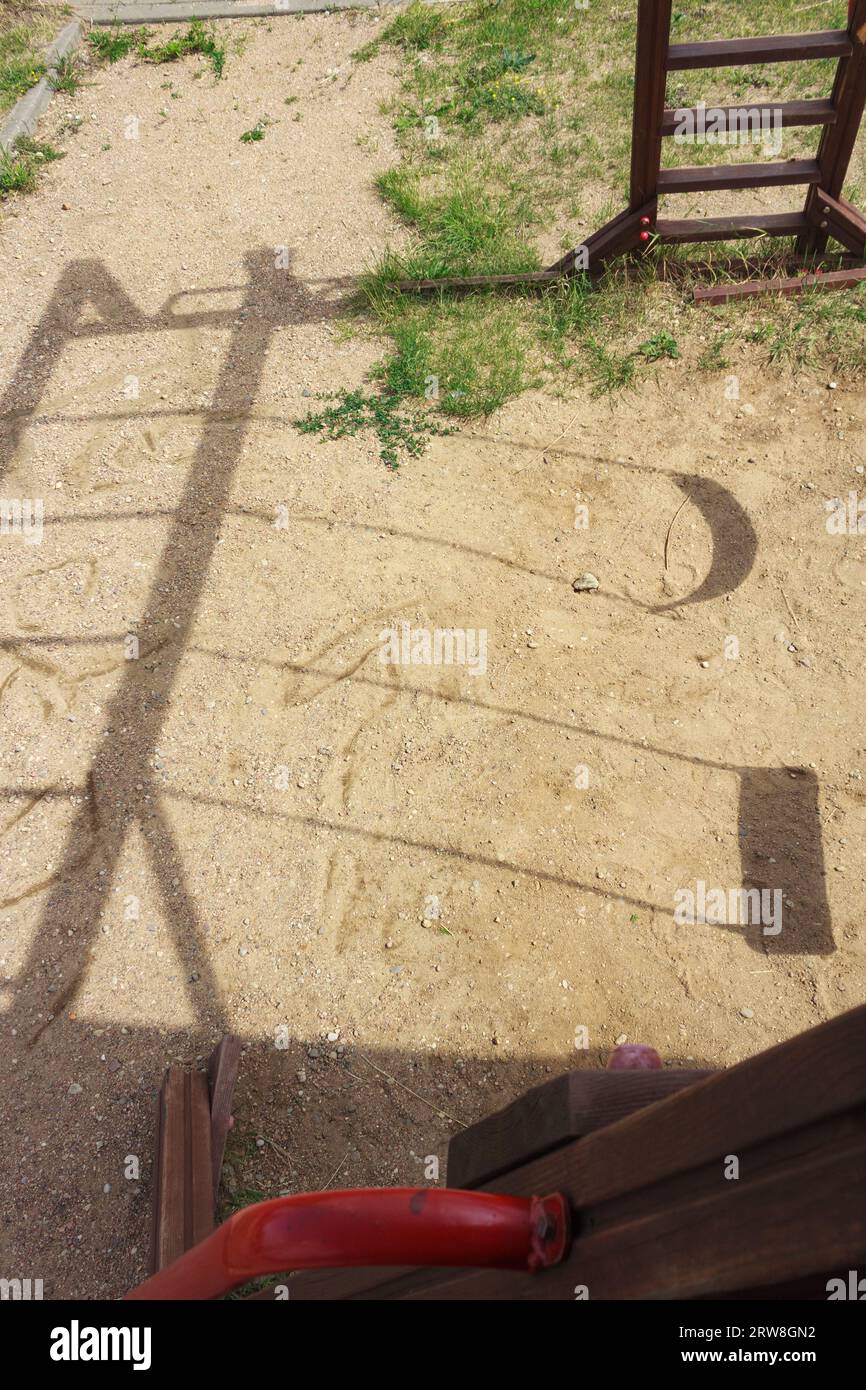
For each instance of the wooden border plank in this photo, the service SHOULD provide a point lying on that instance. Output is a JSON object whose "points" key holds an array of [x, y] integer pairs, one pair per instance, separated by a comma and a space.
{"points": [[831, 280], [222, 1072]]}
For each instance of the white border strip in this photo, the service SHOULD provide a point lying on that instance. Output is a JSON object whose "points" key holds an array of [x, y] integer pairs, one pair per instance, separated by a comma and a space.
{"points": [[23, 117]]}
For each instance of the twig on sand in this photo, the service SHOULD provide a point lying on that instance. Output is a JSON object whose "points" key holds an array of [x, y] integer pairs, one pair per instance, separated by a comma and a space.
{"points": [[443, 1114]]}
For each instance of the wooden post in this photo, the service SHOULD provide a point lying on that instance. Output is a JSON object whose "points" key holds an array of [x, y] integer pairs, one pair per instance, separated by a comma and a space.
{"points": [[837, 140], [650, 80]]}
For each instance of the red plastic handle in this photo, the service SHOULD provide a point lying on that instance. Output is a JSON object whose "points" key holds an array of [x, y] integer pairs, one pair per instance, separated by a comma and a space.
{"points": [[366, 1227]]}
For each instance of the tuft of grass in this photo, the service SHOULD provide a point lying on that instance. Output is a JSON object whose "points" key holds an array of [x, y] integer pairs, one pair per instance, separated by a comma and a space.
{"points": [[361, 412], [19, 170], [66, 77], [110, 45], [196, 39], [417, 29]]}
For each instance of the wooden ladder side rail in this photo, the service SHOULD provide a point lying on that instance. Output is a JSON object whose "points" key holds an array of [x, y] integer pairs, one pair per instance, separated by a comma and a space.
{"points": [[837, 141]]}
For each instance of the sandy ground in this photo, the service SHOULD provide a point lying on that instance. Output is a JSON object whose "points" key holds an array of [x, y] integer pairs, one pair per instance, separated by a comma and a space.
{"points": [[389, 880]]}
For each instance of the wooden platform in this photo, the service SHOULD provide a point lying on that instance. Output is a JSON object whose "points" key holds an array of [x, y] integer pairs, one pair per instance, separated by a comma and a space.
{"points": [[742, 1183]]}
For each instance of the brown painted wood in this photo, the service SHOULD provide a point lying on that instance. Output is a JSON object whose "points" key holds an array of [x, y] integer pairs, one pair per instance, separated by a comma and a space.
{"points": [[651, 53], [555, 1113], [672, 231], [222, 1072], [831, 280], [758, 175], [841, 220], [782, 48], [477, 282], [837, 141], [183, 1185], [790, 113]]}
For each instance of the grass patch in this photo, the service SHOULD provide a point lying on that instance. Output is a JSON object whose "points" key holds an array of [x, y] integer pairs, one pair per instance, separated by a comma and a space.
{"points": [[25, 34]]}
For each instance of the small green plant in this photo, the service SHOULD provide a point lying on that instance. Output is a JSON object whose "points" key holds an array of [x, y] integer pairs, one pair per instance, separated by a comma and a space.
{"points": [[360, 412], [257, 132], [658, 346], [19, 170], [110, 45], [195, 40]]}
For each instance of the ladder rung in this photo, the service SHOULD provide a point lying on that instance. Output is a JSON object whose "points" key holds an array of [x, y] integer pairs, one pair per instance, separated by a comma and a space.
{"points": [[672, 232], [783, 48], [791, 113], [757, 175]]}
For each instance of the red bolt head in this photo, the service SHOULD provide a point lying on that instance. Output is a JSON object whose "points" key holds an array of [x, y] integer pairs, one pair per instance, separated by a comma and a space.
{"points": [[644, 236]]}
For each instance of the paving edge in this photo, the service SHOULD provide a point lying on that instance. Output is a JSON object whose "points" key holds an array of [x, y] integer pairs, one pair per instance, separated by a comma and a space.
{"points": [[171, 13], [23, 117]]}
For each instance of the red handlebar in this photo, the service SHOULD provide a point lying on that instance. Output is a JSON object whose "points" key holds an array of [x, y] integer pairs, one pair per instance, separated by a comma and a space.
{"points": [[365, 1227]]}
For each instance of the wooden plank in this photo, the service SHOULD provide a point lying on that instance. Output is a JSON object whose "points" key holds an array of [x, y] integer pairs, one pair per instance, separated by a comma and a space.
{"points": [[799, 1202], [222, 1071], [831, 280], [477, 282], [672, 231], [552, 1114], [742, 1235], [199, 1199], [758, 175], [653, 39], [168, 1201], [183, 1187], [781, 48], [788, 113]]}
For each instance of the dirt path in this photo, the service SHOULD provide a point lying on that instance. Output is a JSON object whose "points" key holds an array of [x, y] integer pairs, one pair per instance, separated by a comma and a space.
{"points": [[389, 879]]}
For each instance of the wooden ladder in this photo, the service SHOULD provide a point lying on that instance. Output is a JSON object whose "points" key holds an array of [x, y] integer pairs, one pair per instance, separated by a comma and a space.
{"points": [[826, 213]]}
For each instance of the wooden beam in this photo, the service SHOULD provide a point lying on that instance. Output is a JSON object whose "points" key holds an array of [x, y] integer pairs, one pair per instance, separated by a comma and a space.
{"points": [[757, 175], [692, 229], [553, 1114], [651, 55], [222, 1072], [183, 1212], [782, 48], [477, 282], [840, 220], [790, 113], [831, 280]]}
